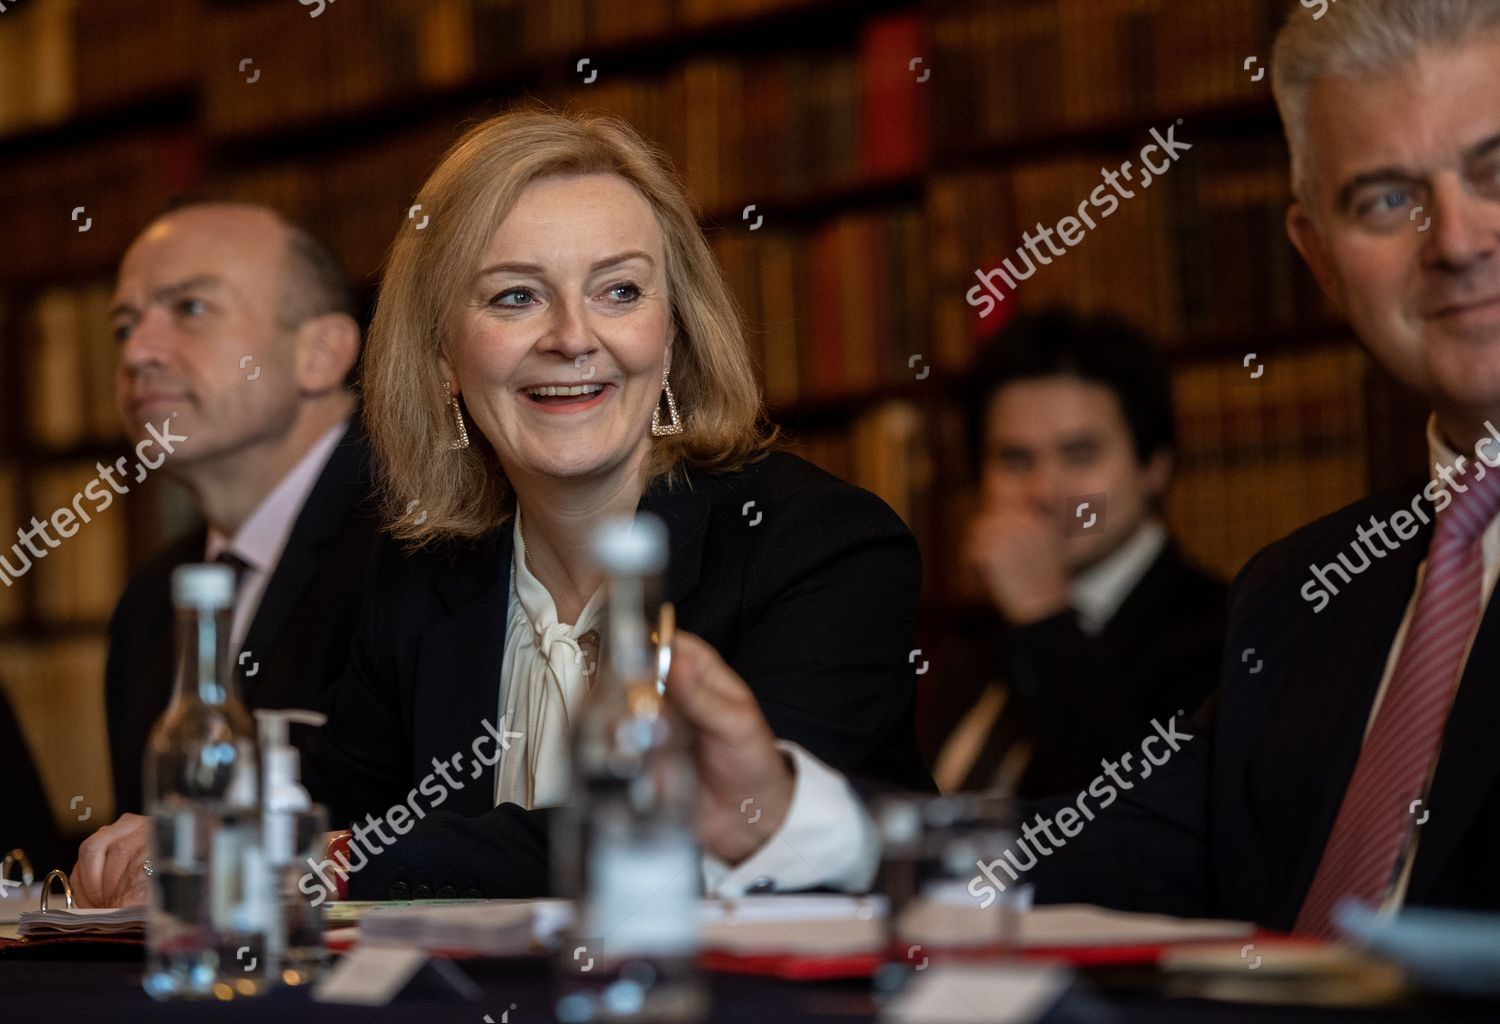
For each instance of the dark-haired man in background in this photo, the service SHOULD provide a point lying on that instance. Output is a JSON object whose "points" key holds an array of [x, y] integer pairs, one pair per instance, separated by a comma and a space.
{"points": [[240, 331], [1100, 624]]}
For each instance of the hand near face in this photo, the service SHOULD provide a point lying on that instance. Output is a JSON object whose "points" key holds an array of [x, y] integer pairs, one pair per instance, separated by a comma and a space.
{"points": [[1019, 553], [109, 871], [735, 754]]}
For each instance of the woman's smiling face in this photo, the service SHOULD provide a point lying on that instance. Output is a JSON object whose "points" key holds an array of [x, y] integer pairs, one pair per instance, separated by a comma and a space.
{"points": [[559, 343]]}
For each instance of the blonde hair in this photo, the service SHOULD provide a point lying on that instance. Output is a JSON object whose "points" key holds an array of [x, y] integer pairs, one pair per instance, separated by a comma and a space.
{"points": [[1359, 39], [430, 493]]}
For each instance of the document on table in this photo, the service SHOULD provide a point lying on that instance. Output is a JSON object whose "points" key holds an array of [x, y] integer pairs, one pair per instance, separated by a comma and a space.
{"points": [[1078, 924], [489, 928], [813, 925], [977, 994], [125, 922]]}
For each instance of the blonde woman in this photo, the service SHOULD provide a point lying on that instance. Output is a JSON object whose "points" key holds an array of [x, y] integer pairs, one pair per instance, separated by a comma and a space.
{"points": [[556, 347]]}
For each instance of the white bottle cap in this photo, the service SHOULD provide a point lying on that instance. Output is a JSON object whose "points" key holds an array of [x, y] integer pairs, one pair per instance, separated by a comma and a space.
{"points": [[203, 586], [631, 547]]}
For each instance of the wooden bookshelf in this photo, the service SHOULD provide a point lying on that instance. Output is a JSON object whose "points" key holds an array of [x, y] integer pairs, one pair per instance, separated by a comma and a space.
{"points": [[880, 196]]}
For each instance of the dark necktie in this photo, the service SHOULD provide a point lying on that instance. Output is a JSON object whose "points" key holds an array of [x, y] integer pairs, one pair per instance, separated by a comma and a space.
{"points": [[240, 567]]}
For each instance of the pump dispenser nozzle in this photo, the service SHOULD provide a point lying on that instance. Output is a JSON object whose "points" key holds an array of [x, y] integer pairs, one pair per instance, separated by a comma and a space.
{"points": [[283, 766]]}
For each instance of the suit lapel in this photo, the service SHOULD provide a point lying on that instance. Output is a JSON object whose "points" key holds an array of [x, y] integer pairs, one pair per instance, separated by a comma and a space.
{"points": [[459, 661], [685, 510], [1138, 619], [1469, 762], [342, 484], [1315, 729]]}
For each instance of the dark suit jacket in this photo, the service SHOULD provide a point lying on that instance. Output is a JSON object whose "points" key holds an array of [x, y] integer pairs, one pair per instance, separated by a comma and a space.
{"points": [[1234, 824], [26, 821], [813, 605], [1076, 697], [298, 641]]}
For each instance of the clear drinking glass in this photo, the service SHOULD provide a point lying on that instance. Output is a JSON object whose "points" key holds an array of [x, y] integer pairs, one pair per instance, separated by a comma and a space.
{"points": [[942, 901], [303, 957]]}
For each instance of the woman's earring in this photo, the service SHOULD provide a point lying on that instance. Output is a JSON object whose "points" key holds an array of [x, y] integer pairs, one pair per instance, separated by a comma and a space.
{"points": [[675, 427], [458, 418]]}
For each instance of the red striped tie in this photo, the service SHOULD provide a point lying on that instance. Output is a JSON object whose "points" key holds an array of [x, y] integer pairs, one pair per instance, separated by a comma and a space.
{"points": [[1391, 772]]}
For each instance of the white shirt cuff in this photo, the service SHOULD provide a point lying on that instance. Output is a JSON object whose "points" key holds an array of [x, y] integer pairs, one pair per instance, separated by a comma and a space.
{"points": [[826, 840]]}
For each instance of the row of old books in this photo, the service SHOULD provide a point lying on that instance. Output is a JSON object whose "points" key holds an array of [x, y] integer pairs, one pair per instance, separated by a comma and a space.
{"points": [[739, 130], [355, 200], [993, 72], [840, 310], [64, 543], [69, 535], [75, 211], [1201, 255], [1027, 69], [1266, 448], [892, 449], [262, 64], [70, 371], [317, 70], [62, 58], [12, 603], [786, 126], [871, 299], [56, 687], [742, 133], [318, 61], [745, 132]]}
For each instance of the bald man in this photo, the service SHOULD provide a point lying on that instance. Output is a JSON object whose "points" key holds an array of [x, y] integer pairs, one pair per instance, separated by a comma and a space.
{"points": [[237, 338]]}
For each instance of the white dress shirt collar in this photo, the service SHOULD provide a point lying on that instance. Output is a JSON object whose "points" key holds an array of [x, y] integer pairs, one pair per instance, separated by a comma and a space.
{"points": [[262, 537], [1098, 591]]}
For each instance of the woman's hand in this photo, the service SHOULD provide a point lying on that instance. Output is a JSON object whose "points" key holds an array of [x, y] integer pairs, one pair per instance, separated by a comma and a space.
{"points": [[110, 870], [745, 783]]}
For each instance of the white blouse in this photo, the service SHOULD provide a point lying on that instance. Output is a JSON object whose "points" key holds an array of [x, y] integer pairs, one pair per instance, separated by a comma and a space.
{"points": [[826, 839], [544, 682]]}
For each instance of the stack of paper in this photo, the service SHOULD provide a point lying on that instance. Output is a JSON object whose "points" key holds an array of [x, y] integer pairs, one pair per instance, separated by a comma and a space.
{"points": [[492, 928], [516, 927], [1080, 925], [842, 925], [790, 925], [125, 922], [978, 994], [793, 925]]}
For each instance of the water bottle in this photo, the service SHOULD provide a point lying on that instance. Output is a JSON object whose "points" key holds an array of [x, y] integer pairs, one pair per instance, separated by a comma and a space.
{"points": [[625, 845], [211, 902]]}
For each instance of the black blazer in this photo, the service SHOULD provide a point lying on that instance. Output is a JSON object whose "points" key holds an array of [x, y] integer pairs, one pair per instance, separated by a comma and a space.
{"points": [[298, 641], [27, 820], [810, 594], [1234, 825], [1077, 697]]}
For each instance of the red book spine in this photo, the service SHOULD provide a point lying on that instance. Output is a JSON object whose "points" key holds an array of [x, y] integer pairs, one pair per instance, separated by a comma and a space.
{"points": [[894, 68]]}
